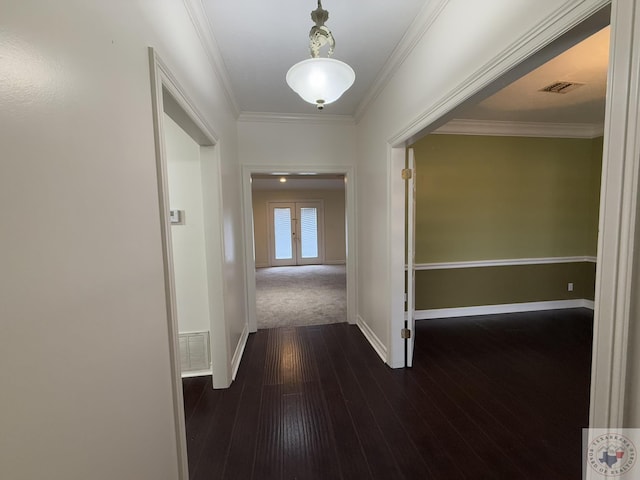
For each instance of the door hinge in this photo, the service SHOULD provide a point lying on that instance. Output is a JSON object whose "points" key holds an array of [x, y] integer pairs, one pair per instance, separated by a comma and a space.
{"points": [[407, 173], [405, 333]]}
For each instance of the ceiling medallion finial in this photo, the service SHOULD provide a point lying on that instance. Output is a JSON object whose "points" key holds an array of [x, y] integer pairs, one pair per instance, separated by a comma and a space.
{"points": [[319, 80]]}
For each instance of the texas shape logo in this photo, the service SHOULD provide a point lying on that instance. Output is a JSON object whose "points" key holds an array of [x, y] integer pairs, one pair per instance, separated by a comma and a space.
{"points": [[611, 454]]}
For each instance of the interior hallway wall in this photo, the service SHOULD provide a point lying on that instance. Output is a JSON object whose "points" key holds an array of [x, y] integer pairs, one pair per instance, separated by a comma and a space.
{"points": [[298, 142], [84, 347], [333, 228]]}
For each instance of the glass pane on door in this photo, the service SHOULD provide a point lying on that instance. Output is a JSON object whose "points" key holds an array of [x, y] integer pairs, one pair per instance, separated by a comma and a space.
{"points": [[309, 232], [282, 233]]}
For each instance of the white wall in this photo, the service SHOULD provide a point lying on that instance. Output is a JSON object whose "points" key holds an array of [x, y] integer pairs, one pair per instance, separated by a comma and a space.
{"points": [[84, 357], [463, 42], [333, 227], [188, 243], [295, 144], [298, 142]]}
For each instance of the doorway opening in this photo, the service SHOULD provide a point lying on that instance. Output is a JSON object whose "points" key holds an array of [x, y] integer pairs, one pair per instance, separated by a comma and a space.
{"points": [[300, 247], [506, 229], [190, 198], [488, 115]]}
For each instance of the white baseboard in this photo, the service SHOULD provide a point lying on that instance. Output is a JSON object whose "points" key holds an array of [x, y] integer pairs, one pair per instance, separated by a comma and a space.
{"points": [[237, 355], [328, 262], [373, 339], [503, 308], [198, 373]]}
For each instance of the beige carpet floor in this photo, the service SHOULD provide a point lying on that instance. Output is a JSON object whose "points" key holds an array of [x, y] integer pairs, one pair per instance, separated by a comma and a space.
{"points": [[300, 296]]}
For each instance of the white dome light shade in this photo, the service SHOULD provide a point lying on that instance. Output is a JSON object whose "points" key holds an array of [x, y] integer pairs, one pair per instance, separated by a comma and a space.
{"points": [[320, 80]]}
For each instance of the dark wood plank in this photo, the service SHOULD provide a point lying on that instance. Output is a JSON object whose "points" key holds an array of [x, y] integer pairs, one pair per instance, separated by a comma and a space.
{"points": [[289, 359], [406, 454], [193, 389], [242, 445], [488, 397], [376, 450], [307, 437], [200, 420], [215, 446], [269, 455], [295, 438], [424, 425], [516, 353], [349, 452]]}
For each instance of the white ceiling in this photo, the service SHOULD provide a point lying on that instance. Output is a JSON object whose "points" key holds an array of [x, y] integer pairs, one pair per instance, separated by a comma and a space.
{"points": [[259, 41], [522, 101]]}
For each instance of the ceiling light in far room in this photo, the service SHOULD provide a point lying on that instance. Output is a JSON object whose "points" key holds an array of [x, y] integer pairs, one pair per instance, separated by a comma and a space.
{"points": [[283, 180], [318, 80]]}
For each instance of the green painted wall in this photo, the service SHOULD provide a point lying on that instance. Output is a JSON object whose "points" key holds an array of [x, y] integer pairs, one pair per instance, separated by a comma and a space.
{"points": [[594, 192], [484, 198], [487, 198], [468, 287]]}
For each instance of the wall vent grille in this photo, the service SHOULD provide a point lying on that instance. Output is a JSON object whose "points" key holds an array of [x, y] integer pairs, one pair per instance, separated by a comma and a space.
{"points": [[561, 87], [194, 351]]}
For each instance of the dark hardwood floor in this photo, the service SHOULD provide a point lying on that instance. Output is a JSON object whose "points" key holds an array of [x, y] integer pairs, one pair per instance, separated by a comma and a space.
{"points": [[499, 397]]}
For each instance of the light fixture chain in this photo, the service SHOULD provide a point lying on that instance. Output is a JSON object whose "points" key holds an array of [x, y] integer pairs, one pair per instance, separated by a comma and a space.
{"points": [[320, 35]]}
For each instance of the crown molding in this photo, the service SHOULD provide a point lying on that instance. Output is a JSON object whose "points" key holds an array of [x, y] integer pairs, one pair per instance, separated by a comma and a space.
{"points": [[201, 23], [521, 129], [307, 118], [568, 14], [411, 38]]}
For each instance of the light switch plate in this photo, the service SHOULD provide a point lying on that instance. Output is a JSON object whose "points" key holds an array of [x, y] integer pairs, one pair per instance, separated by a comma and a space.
{"points": [[176, 217]]}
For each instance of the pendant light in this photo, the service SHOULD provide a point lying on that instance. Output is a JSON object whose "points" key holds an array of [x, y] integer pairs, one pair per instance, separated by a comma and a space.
{"points": [[319, 80]]}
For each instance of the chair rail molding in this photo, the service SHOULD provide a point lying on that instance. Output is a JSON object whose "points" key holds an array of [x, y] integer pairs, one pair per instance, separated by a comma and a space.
{"points": [[503, 262]]}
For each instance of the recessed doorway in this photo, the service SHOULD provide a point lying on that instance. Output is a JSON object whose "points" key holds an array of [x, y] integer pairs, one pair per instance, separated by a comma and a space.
{"points": [[300, 233]]}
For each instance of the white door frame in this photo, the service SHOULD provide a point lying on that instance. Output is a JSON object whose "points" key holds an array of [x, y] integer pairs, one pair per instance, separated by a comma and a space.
{"points": [[397, 241], [247, 207], [410, 189], [618, 272], [187, 116]]}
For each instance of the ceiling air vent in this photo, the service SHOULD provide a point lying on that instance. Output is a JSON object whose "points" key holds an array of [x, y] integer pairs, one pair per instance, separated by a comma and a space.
{"points": [[561, 87]]}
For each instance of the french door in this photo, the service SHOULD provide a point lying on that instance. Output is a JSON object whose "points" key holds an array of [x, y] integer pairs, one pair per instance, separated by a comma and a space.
{"points": [[295, 230]]}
